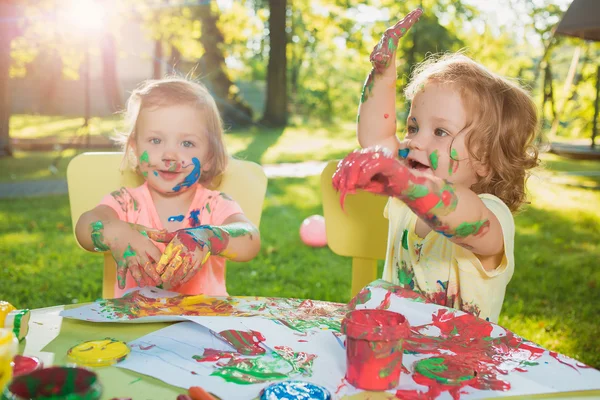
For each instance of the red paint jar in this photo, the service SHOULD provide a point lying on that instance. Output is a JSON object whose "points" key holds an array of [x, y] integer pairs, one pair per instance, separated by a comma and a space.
{"points": [[374, 341]]}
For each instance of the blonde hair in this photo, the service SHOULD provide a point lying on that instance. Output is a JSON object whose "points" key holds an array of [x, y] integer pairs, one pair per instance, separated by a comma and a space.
{"points": [[177, 91], [501, 127]]}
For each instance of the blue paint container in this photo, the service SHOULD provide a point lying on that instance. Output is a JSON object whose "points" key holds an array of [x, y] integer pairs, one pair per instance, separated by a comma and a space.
{"points": [[295, 390]]}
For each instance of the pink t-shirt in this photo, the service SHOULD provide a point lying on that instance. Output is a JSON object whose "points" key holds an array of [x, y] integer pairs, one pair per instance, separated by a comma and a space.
{"points": [[208, 207]]}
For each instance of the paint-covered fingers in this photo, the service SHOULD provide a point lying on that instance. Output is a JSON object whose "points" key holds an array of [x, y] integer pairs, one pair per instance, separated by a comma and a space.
{"points": [[121, 272], [149, 268], [135, 268], [170, 261], [177, 279], [123, 260], [196, 265], [161, 235], [384, 52]]}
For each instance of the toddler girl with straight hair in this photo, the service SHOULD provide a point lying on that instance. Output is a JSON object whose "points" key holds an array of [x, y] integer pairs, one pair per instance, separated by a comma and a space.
{"points": [[173, 230]]}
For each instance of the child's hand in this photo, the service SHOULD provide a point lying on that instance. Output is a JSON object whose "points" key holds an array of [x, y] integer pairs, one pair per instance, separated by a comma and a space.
{"points": [[368, 169], [187, 251], [134, 251], [384, 52]]}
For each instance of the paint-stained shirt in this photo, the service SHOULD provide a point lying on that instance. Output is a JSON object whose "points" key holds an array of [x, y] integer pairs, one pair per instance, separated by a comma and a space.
{"points": [[208, 207], [444, 272]]}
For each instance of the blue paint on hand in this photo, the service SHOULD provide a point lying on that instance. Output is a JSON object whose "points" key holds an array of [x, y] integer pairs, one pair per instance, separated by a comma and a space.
{"points": [[192, 178], [177, 218], [403, 153]]}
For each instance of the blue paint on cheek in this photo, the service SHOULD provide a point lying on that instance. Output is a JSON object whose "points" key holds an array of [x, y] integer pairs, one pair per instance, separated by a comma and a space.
{"points": [[192, 178], [403, 153], [177, 218], [155, 173]]}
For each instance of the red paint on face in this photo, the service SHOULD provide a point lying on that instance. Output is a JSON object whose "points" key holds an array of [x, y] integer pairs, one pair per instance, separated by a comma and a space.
{"points": [[386, 116], [374, 348]]}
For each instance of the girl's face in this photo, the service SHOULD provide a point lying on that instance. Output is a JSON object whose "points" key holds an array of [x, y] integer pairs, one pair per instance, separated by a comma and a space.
{"points": [[436, 137], [171, 147]]}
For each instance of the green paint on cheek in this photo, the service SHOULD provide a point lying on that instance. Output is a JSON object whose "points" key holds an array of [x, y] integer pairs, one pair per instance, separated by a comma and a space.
{"points": [[145, 158], [433, 157]]}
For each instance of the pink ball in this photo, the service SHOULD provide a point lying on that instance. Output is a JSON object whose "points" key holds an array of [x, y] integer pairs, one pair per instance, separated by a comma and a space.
{"points": [[312, 231]]}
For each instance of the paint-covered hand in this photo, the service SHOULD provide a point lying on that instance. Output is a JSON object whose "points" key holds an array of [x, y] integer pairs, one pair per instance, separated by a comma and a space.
{"points": [[133, 251], [384, 52], [374, 169], [187, 251]]}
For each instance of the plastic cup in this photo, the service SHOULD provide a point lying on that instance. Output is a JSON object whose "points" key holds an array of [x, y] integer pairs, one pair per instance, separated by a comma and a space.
{"points": [[374, 341], [56, 383]]}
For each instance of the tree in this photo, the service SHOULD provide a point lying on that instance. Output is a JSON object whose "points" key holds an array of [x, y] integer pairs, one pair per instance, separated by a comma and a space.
{"points": [[8, 31], [212, 69], [111, 85], [277, 100]]}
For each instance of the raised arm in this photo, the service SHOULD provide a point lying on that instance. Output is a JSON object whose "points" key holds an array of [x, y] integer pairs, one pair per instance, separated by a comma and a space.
{"points": [[376, 124], [453, 211]]}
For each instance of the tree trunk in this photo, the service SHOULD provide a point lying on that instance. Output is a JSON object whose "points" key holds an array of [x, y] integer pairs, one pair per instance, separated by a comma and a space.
{"points": [[596, 106], [8, 31], [276, 104], [109, 72], [156, 63], [234, 110]]}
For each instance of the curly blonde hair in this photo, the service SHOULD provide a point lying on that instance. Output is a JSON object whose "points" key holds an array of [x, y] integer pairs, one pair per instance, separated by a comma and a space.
{"points": [[175, 91], [501, 127]]}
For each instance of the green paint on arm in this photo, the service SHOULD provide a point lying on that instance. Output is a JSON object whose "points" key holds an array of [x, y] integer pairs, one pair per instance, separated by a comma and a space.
{"points": [[470, 228], [98, 236], [434, 158], [416, 191]]}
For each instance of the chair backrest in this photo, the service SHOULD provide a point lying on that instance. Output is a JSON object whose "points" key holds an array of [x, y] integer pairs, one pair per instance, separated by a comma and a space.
{"points": [[90, 176], [359, 230]]}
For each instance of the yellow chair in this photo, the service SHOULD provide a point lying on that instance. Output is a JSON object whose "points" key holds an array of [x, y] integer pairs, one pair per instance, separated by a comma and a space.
{"points": [[359, 231], [91, 176]]}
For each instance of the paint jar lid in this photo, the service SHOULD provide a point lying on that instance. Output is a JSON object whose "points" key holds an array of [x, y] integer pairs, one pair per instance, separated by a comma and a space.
{"points": [[18, 321], [56, 383], [98, 353], [376, 325], [295, 390], [24, 365]]}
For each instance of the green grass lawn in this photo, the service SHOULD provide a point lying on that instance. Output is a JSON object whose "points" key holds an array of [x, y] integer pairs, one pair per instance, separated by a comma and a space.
{"points": [[553, 298]]}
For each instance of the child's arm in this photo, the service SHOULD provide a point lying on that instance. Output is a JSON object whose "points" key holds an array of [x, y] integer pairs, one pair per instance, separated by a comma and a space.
{"points": [[100, 229], [453, 211], [236, 239], [377, 110]]}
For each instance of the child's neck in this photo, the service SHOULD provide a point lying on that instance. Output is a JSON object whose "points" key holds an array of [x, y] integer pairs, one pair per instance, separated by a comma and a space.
{"points": [[171, 205]]}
